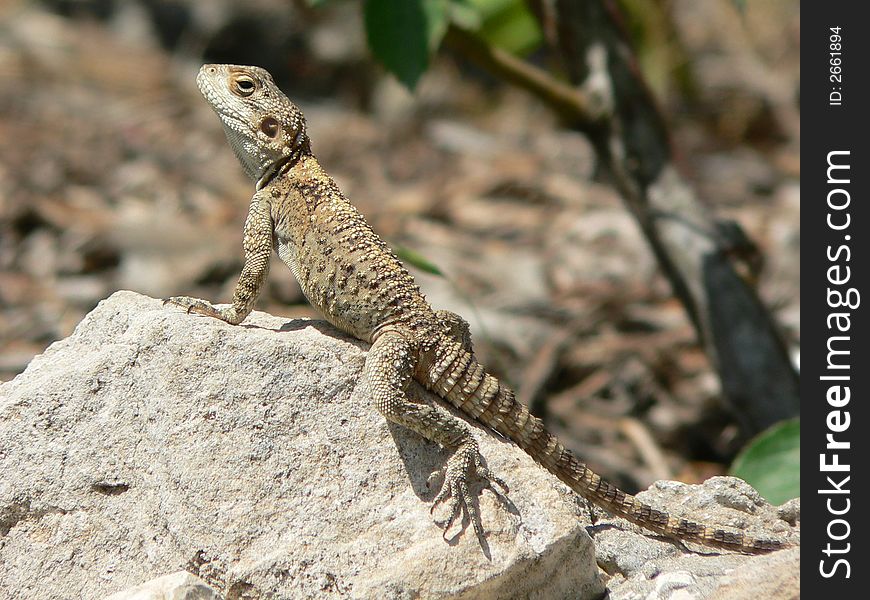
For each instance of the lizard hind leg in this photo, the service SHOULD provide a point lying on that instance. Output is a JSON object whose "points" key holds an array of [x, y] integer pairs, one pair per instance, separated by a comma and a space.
{"points": [[456, 328], [388, 370]]}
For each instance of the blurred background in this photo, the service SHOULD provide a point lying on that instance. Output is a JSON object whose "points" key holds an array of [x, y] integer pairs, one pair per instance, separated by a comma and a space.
{"points": [[114, 174]]}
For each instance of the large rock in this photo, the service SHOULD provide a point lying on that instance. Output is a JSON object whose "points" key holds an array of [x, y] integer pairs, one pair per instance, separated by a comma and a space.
{"points": [[152, 442]]}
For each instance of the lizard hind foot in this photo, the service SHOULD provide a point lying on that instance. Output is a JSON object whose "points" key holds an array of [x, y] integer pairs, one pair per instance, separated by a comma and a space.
{"points": [[455, 490]]}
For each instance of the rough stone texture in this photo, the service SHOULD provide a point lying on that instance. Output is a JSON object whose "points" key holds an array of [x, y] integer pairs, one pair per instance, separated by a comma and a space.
{"points": [[774, 576], [649, 568], [152, 441], [177, 586]]}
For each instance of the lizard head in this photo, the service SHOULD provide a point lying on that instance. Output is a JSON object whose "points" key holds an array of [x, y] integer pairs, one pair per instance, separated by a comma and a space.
{"points": [[265, 129]]}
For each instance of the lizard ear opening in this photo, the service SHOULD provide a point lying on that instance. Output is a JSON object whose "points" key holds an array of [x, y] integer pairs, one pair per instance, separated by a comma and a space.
{"points": [[270, 127]]}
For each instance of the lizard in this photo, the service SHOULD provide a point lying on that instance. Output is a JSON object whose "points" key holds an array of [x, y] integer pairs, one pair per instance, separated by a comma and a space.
{"points": [[351, 276]]}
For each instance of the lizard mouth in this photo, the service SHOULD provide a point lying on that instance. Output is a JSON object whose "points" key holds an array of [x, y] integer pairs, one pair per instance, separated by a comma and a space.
{"points": [[205, 82], [208, 81]]}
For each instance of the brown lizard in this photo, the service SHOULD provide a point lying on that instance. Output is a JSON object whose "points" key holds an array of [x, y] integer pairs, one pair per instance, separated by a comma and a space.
{"points": [[353, 278]]}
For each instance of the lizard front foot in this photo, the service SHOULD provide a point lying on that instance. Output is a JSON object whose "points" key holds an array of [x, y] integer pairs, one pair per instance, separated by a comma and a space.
{"points": [[202, 307], [455, 487]]}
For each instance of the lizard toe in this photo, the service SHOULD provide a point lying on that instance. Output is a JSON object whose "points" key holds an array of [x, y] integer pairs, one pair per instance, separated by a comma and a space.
{"points": [[190, 304], [202, 307], [489, 478], [455, 487]]}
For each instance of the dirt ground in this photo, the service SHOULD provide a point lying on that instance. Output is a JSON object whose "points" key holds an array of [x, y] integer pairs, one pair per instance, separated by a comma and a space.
{"points": [[114, 174]]}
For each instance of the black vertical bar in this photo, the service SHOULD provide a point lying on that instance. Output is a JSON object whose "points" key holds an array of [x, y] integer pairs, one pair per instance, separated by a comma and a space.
{"points": [[835, 364]]}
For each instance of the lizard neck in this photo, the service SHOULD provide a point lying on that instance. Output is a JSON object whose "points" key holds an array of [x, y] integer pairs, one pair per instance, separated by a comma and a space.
{"points": [[283, 165]]}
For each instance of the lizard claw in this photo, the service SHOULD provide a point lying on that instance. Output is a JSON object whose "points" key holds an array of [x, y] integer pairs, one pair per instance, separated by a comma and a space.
{"points": [[194, 305], [455, 491]]}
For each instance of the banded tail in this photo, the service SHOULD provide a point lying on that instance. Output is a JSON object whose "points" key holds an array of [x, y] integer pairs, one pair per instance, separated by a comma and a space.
{"points": [[460, 379]]}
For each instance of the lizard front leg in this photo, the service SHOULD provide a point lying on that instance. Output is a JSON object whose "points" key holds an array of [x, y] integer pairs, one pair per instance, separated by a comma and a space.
{"points": [[258, 249], [388, 370]]}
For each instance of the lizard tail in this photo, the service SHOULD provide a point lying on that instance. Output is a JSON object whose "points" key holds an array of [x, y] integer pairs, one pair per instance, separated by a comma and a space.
{"points": [[466, 385]]}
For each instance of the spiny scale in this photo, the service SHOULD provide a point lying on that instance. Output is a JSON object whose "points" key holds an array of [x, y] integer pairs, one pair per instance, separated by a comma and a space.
{"points": [[359, 285]]}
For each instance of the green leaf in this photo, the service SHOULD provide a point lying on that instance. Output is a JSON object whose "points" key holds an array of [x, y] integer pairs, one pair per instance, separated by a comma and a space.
{"points": [[437, 20], [402, 33], [464, 14], [771, 462], [508, 24], [412, 257]]}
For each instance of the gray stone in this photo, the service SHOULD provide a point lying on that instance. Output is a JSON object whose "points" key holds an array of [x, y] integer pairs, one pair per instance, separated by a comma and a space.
{"points": [[175, 586], [151, 441], [651, 568]]}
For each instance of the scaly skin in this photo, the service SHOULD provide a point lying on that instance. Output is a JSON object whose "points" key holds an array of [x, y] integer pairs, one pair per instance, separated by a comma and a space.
{"points": [[359, 285]]}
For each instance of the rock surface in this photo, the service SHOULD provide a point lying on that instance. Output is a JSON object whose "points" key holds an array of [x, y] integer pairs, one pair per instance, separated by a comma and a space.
{"points": [[176, 586], [643, 567], [151, 442]]}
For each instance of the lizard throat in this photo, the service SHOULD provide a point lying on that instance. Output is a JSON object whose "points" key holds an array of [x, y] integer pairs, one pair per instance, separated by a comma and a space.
{"points": [[276, 168], [281, 165]]}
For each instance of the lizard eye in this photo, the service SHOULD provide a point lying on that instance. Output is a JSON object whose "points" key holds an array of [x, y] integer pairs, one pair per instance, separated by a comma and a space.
{"points": [[243, 85], [270, 127]]}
